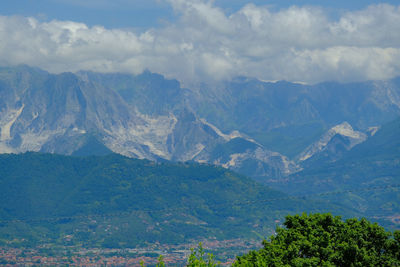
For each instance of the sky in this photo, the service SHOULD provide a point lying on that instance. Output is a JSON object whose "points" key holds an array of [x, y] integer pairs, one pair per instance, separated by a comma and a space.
{"points": [[206, 41]]}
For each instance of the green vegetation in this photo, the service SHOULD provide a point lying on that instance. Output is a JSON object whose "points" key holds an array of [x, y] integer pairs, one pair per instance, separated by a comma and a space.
{"points": [[116, 202], [316, 240], [198, 258], [374, 163], [325, 240]]}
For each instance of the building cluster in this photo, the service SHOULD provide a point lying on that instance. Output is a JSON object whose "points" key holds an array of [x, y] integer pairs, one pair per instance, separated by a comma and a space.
{"points": [[173, 255]]}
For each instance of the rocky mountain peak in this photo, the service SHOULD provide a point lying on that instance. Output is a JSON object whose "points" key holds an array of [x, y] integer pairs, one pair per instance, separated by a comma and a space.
{"points": [[344, 132], [245, 125]]}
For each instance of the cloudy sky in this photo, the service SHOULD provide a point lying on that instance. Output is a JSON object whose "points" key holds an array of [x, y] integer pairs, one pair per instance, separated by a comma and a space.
{"points": [[206, 41]]}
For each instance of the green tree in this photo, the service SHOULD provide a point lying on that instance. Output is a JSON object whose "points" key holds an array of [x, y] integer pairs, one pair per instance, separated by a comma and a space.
{"points": [[325, 240], [160, 261], [198, 258]]}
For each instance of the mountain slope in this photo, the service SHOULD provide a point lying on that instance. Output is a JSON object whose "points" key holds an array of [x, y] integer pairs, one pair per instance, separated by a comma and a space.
{"points": [[148, 92], [116, 201], [144, 116], [148, 116], [52, 112], [336, 141], [252, 159], [373, 163], [271, 112]]}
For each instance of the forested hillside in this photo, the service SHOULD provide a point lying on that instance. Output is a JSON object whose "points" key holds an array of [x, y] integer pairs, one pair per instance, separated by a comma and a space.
{"points": [[372, 164], [114, 201]]}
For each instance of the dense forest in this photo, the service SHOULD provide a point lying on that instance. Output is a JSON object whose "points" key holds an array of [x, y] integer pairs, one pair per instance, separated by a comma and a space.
{"points": [[114, 201]]}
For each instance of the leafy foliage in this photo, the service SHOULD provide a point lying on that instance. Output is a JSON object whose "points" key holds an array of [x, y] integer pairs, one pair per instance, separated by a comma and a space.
{"points": [[325, 240], [198, 258]]}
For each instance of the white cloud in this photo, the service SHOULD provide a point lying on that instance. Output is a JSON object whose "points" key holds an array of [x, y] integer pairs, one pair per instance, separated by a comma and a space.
{"points": [[205, 44], [107, 4]]}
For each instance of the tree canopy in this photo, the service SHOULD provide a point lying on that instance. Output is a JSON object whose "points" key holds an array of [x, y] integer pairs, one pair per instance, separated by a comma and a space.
{"points": [[326, 240]]}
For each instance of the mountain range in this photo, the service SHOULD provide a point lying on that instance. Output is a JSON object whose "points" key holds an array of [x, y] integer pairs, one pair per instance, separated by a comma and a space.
{"points": [[139, 154], [367, 175], [261, 129]]}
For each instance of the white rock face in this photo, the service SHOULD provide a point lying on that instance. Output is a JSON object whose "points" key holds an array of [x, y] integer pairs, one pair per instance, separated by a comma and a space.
{"points": [[257, 161], [344, 129], [266, 162], [82, 109], [59, 113], [227, 137], [7, 121], [153, 134]]}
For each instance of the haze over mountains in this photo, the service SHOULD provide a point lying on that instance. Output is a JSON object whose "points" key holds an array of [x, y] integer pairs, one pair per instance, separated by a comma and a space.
{"points": [[261, 129]]}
